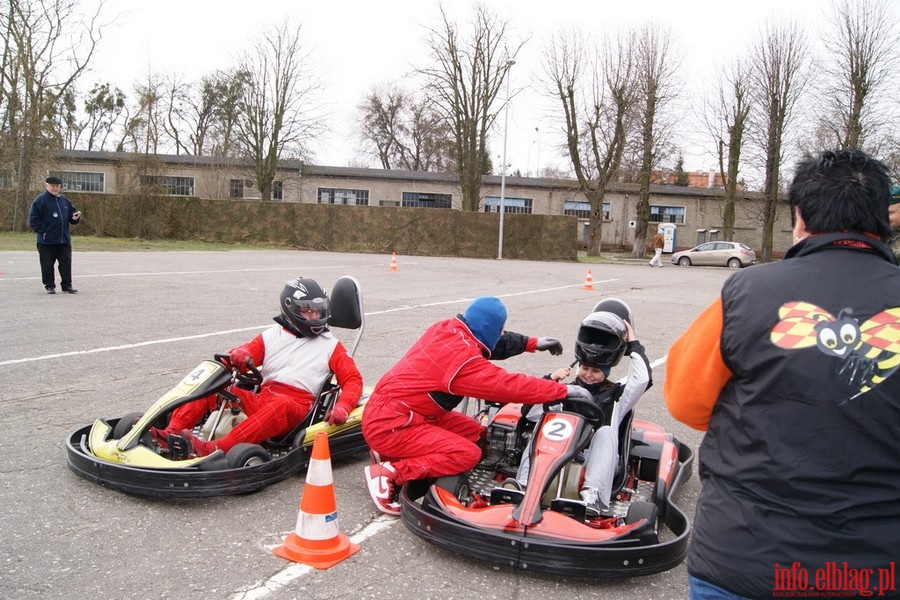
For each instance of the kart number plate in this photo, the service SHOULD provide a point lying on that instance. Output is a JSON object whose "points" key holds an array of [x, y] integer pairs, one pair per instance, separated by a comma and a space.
{"points": [[557, 430]]}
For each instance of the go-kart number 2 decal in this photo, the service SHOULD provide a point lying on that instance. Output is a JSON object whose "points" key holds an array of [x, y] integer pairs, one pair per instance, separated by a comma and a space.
{"points": [[557, 430]]}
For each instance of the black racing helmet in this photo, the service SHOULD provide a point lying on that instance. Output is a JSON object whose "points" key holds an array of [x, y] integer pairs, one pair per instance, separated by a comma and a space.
{"points": [[602, 340], [304, 305]]}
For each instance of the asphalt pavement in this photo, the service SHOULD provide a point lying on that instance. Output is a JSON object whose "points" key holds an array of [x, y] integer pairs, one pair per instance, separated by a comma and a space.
{"points": [[142, 320]]}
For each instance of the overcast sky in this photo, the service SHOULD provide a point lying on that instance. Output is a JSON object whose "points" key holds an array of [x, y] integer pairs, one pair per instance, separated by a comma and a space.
{"points": [[360, 44]]}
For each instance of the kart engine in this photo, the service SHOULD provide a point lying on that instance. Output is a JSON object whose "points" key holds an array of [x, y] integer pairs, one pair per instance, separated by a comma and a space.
{"points": [[507, 437]]}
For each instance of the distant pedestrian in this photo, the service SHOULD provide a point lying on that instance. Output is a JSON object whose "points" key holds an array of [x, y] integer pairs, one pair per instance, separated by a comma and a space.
{"points": [[658, 243], [49, 217]]}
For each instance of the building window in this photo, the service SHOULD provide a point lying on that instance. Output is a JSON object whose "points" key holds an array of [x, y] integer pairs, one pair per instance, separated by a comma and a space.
{"points": [[236, 188], [582, 210], [277, 190], [510, 205], [6, 180], [169, 186], [75, 181], [423, 200], [666, 214], [340, 196]]}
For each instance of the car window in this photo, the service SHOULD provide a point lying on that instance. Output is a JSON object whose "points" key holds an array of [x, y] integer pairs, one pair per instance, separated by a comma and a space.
{"points": [[705, 247]]}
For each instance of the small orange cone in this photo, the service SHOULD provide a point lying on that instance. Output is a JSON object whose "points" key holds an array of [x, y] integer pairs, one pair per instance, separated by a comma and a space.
{"points": [[317, 541], [394, 266], [588, 282]]}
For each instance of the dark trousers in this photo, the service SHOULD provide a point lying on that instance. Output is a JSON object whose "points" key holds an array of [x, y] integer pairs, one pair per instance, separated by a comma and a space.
{"points": [[56, 253]]}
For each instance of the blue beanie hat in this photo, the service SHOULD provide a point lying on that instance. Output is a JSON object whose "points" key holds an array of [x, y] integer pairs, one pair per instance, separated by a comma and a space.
{"points": [[486, 317]]}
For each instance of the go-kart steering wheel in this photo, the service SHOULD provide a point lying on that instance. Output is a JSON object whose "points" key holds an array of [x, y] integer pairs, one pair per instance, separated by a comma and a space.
{"points": [[587, 409], [249, 379]]}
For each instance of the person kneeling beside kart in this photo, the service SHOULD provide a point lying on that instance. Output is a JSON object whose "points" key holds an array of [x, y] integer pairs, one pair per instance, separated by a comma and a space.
{"points": [[297, 354], [409, 422], [603, 338]]}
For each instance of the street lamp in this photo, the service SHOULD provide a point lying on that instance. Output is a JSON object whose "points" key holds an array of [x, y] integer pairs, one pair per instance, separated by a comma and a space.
{"points": [[509, 65]]}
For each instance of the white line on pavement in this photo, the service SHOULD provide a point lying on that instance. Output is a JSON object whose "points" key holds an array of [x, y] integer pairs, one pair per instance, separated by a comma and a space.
{"points": [[230, 331]]}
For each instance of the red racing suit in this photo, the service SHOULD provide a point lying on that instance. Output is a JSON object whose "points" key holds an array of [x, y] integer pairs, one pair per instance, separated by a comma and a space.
{"points": [[293, 369], [409, 418]]}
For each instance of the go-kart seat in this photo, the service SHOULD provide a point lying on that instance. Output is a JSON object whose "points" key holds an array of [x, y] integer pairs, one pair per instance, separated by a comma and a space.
{"points": [[624, 453], [345, 312]]}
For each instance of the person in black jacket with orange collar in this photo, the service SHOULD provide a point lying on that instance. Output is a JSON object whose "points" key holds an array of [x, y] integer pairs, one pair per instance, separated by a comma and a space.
{"points": [[792, 373]]}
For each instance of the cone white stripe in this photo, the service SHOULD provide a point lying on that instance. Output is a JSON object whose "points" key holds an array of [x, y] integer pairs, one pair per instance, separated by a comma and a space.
{"points": [[317, 527], [319, 472]]}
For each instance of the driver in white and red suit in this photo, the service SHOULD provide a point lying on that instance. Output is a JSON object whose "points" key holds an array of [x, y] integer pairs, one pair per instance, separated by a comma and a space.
{"points": [[296, 356], [409, 421]]}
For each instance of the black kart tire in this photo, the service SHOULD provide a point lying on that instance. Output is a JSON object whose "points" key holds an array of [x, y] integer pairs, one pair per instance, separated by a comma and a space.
{"points": [[125, 424], [247, 455], [458, 485], [649, 534]]}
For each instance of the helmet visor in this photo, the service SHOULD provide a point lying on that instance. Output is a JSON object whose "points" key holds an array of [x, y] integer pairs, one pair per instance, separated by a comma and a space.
{"points": [[313, 310]]}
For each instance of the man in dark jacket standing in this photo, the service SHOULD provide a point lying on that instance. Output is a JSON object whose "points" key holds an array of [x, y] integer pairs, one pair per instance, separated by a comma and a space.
{"points": [[792, 373], [49, 217]]}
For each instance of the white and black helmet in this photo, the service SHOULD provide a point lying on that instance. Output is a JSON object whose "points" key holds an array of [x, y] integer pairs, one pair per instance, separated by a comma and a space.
{"points": [[304, 305], [617, 307], [602, 340]]}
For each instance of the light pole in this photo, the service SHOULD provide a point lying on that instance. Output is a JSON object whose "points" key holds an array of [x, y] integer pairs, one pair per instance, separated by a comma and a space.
{"points": [[509, 65], [538, 165]]}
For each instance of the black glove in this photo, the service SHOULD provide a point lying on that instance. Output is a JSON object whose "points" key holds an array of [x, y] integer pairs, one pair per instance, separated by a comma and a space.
{"points": [[576, 392], [548, 343]]}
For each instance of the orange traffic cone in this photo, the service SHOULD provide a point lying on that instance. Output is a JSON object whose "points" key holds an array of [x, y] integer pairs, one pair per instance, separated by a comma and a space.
{"points": [[394, 266], [588, 282], [317, 541]]}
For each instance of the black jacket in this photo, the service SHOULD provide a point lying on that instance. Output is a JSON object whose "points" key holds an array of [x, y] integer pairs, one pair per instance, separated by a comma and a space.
{"points": [[801, 461], [49, 217]]}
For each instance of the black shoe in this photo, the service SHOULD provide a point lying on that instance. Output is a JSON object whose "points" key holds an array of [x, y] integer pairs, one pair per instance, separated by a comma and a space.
{"points": [[70, 290], [50, 290]]}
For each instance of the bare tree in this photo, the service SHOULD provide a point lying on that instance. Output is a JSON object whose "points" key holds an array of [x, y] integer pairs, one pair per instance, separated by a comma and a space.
{"points": [[780, 74], [276, 119], [656, 68], [143, 129], [597, 95], [381, 123], [464, 82], [46, 48], [406, 133], [860, 67], [176, 106], [727, 118]]}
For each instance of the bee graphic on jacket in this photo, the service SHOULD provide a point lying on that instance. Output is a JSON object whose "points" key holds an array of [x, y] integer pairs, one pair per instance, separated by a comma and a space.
{"points": [[870, 352]]}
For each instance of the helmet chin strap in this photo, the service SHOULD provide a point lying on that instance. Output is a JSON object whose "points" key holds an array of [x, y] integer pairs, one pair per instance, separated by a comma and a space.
{"points": [[287, 325]]}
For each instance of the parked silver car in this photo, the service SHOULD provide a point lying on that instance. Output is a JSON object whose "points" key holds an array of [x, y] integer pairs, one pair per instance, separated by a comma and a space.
{"points": [[721, 254]]}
